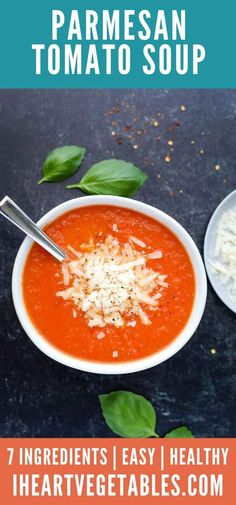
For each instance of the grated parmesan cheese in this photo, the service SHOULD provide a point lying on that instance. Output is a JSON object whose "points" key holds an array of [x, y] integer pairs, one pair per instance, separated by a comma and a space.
{"points": [[114, 227], [131, 323], [100, 335], [110, 282], [65, 272], [224, 264], [137, 241], [155, 255]]}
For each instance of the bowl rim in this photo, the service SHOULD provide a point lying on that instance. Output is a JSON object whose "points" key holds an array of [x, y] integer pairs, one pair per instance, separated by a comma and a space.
{"points": [[210, 236], [118, 367]]}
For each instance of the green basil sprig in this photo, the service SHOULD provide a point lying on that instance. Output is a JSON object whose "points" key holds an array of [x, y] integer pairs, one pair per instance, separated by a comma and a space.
{"points": [[181, 432], [128, 415], [61, 163], [111, 177], [132, 416]]}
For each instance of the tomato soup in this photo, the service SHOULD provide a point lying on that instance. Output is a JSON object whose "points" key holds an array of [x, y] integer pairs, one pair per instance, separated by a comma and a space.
{"points": [[125, 292]]}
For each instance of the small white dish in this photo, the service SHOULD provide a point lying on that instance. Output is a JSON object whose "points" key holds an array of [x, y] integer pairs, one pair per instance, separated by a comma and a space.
{"points": [[123, 367], [209, 243]]}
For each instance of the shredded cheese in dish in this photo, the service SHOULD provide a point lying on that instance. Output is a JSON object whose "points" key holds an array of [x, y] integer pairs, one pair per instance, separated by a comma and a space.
{"points": [[224, 265], [110, 282]]}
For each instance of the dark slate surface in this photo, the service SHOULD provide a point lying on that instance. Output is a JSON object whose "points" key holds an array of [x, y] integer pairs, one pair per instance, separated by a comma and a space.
{"points": [[42, 398]]}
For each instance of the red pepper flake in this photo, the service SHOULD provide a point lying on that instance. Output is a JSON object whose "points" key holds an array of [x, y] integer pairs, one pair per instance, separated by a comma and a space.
{"points": [[127, 128], [158, 139], [176, 124], [119, 140]]}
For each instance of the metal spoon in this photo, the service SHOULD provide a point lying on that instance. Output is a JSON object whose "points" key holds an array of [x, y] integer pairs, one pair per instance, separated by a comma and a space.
{"points": [[11, 211]]}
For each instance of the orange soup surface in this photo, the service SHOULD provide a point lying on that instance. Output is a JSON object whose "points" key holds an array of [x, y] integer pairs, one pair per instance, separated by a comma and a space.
{"points": [[123, 336]]}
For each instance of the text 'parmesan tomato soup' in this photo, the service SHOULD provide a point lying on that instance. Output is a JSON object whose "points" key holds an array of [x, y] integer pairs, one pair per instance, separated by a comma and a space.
{"points": [[125, 292]]}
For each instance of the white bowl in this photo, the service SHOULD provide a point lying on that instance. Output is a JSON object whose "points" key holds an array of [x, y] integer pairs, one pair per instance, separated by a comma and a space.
{"points": [[123, 367], [222, 290]]}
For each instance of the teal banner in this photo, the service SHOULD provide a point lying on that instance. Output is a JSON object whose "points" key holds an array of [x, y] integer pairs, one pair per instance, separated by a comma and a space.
{"points": [[117, 44]]}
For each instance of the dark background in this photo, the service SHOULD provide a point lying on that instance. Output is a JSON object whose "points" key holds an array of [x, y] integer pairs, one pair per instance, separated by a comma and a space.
{"points": [[197, 387]]}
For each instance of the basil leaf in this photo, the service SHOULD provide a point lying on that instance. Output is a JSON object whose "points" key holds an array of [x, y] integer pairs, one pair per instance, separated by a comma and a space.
{"points": [[61, 163], [112, 177], [181, 432], [128, 414]]}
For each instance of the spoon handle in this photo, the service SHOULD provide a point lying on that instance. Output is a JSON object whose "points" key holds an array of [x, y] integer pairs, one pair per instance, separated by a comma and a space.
{"points": [[11, 211]]}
